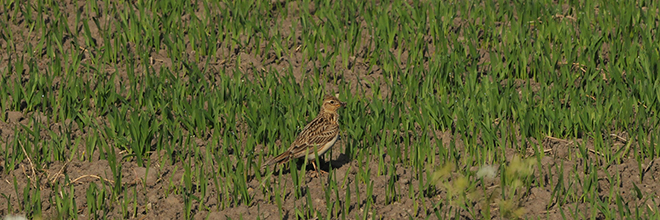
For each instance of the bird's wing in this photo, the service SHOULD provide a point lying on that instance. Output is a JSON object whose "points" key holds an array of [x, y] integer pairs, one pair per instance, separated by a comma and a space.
{"points": [[317, 133]]}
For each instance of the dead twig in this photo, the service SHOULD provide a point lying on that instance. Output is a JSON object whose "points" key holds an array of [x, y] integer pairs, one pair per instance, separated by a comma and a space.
{"points": [[89, 175], [34, 173]]}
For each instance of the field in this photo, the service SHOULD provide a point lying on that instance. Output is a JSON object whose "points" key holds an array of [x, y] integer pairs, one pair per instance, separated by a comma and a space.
{"points": [[167, 109]]}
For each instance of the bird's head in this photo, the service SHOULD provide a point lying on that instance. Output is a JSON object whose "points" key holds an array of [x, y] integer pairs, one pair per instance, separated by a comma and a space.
{"points": [[331, 103]]}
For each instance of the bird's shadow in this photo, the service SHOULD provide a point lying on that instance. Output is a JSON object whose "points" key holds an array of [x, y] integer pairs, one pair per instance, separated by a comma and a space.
{"points": [[341, 160]]}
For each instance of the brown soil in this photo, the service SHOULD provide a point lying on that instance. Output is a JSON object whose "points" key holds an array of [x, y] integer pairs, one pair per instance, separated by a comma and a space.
{"points": [[152, 189]]}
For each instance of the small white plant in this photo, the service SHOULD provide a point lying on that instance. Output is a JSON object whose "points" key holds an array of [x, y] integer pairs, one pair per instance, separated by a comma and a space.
{"points": [[14, 217]]}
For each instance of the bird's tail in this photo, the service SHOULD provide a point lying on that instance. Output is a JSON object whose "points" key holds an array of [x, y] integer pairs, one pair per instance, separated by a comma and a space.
{"points": [[282, 158]]}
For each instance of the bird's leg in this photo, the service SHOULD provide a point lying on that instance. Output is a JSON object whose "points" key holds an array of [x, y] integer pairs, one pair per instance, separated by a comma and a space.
{"points": [[318, 172]]}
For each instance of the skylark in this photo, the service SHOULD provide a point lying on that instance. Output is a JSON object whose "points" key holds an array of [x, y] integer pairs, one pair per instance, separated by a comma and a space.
{"points": [[317, 137]]}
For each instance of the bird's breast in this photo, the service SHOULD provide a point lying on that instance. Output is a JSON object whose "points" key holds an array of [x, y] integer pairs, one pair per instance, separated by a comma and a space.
{"points": [[324, 149]]}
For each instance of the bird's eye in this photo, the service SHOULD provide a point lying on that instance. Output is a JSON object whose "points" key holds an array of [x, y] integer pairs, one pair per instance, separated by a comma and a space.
{"points": [[332, 102]]}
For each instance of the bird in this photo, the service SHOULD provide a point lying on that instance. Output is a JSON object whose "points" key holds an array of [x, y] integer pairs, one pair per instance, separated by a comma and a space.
{"points": [[316, 138]]}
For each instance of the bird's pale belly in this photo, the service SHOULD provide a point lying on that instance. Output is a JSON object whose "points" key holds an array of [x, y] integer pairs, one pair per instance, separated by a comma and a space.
{"points": [[325, 148]]}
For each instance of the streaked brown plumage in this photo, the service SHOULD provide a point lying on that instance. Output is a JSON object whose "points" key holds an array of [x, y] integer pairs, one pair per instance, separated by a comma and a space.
{"points": [[317, 137]]}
